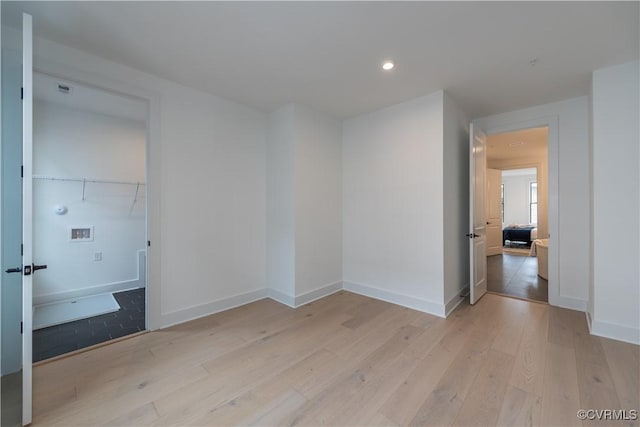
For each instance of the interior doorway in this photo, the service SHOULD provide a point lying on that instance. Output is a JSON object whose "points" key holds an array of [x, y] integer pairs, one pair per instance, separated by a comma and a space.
{"points": [[89, 216], [517, 214]]}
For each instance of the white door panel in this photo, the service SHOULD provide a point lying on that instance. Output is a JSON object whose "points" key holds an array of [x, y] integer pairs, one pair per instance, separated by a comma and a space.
{"points": [[478, 213], [27, 215], [494, 212]]}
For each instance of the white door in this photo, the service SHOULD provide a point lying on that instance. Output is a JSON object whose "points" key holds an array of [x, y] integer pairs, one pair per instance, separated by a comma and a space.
{"points": [[494, 212], [27, 217], [477, 213], [16, 218]]}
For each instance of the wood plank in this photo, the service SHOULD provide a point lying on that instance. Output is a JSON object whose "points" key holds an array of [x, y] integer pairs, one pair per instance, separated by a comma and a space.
{"points": [[444, 402], [483, 403], [528, 369], [561, 399], [144, 415], [403, 404], [241, 407], [520, 408], [623, 360]]}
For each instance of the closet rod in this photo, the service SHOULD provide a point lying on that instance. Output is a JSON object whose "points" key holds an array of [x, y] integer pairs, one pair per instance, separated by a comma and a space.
{"points": [[84, 180]]}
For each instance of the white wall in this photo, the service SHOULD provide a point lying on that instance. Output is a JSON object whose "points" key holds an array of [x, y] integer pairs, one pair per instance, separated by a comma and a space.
{"points": [[572, 241], [70, 143], [516, 198], [281, 268], [456, 201], [304, 215], [206, 200], [318, 203], [616, 202], [393, 203], [213, 201]]}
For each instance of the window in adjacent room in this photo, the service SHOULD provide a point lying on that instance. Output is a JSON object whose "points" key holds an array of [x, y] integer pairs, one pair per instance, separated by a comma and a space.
{"points": [[502, 201], [533, 202]]}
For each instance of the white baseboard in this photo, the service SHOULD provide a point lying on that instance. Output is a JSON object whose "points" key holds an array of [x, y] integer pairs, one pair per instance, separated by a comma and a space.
{"points": [[404, 300], [281, 297], [305, 298], [139, 282], [615, 331], [452, 304], [318, 293], [84, 292], [568, 302], [202, 310]]}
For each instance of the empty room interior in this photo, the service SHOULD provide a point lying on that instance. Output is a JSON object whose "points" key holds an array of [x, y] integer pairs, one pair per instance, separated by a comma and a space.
{"points": [[320, 213]]}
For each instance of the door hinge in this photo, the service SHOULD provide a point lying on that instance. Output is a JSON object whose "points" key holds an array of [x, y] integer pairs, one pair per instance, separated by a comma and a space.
{"points": [[149, 243], [21, 249], [21, 93], [21, 327], [21, 171]]}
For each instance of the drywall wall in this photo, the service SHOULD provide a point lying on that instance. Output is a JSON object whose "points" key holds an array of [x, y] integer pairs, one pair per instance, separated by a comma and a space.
{"points": [[571, 127], [207, 192], [280, 257], [456, 201], [213, 200], [393, 203], [304, 208], [516, 198], [616, 202], [318, 204], [70, 143]]}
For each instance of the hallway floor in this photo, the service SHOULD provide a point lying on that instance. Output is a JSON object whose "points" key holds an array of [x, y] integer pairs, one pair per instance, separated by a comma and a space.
{"points": [[517, 276]]}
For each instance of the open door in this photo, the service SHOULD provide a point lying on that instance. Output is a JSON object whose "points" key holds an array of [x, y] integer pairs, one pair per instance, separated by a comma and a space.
{"points": [[494, 212], [16, 218], [477, 213]]}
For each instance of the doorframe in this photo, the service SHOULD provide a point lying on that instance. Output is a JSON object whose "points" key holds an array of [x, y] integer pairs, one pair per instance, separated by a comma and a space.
{"points": [[552, 124], [153, 172]]}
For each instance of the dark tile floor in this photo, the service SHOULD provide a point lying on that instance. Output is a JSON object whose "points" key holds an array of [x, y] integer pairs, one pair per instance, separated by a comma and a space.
{"points": [[56, 340], [517, 276]]}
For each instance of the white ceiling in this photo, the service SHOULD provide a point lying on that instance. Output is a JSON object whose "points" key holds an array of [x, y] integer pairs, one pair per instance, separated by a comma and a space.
{"points": [[327, 55], [527, 143], [84, 98], [519, 172]]}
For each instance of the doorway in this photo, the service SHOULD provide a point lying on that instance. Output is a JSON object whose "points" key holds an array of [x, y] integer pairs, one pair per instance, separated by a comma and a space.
{"points": [[517, 214], [89, 216]]}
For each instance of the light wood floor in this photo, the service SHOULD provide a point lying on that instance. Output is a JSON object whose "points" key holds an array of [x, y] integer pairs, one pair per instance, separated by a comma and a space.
{"points": [[348, 360]]}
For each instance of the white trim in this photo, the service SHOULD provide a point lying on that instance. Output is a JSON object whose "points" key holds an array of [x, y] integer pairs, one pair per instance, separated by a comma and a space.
{"points": [[281, 297], [85, 292], [588, 316], [453, 303], [553, 138], [419, 304], [615, 332], [138, 282], [569, 302], [202, 310], [318, 293]]}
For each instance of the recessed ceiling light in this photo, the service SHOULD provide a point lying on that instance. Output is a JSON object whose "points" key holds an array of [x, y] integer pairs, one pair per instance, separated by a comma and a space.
{"points": [[388, 65]]}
